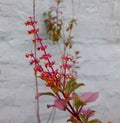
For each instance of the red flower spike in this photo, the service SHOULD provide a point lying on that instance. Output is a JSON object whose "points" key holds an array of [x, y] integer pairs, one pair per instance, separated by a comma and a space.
{"points": [[50, 79]]}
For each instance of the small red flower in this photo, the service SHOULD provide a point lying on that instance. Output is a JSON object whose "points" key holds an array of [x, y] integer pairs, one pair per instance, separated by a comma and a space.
{"points": [[46, 56], [29, 55], [38, 68], [33, 31], [30, 23], [49, 64], [43, 47], [66, 66], [31, 62], [66, 58], [69, 76], [45, 75], [34, 40], [34, 61], [39, 40]]}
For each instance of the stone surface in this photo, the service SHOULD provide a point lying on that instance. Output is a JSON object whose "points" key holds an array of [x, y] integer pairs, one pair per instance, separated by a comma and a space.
{"points": [[97, 36]]}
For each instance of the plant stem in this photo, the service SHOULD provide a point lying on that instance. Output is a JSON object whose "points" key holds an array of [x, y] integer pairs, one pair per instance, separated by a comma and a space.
{"points": [[36, 80], [72, 8], [75, 114], [72, 111], [57, 12]]}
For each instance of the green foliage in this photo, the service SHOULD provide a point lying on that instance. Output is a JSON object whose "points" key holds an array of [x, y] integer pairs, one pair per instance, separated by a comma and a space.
{"points": [[72, 86], [95, 121], [44, 94], [76, 101], [54, 24]]}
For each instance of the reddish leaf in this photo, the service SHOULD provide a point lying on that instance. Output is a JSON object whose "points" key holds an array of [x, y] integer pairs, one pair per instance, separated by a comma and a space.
{"points": [[88, 112], [88, 97], [60, 104]]}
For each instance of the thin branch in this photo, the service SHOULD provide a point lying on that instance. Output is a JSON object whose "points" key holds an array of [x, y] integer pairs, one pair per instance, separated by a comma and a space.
{"points": [[73, 9], [36, 80]]}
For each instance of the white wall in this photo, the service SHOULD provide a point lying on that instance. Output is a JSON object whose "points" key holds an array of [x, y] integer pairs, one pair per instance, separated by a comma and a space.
{"points": [[97, 35]]}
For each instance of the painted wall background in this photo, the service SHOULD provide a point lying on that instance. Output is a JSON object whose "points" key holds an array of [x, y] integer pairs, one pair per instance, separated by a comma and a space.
{"points": [[97, 36]]}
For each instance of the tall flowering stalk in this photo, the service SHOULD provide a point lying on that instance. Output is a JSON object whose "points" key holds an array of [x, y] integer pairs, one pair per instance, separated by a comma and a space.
{"points": [[61, 81], [55, 26]]}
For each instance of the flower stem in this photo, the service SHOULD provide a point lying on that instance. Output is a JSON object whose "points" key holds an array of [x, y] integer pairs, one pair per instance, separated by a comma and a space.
{"points": [[36, 80]]}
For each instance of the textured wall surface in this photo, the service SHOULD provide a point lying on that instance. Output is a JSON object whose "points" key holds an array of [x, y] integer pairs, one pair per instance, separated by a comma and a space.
{"points": [[97, 35]]}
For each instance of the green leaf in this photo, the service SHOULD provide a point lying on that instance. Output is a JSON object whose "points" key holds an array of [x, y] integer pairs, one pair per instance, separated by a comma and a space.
{"points": [[76, 101], [78, 104], [44, 93], [84, 118], [72, 86], [95, 121], [77, 52], [55, 89], [73, 120]]}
